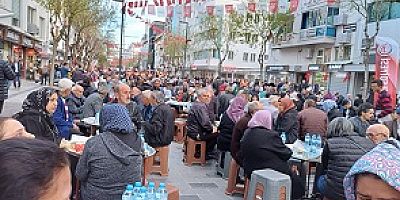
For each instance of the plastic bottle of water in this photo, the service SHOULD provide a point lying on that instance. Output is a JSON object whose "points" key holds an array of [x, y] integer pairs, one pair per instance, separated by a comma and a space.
{"points": [[151, 191], [162, 193], [142, 194], [307, 143], [313, 145], [283, 136], [318, 144], [97, 118], [128, 194], [136, 190]]}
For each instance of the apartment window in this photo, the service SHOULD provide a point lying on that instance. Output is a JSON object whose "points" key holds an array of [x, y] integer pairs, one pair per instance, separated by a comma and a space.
{"points": [[337, 53], [246, 57], [320, 56], [387, 11], [42, 27], [327, 55], [214, 53], [317, 18], [31, 15], [266, 57], [253, 57], [230, 55], [346, 52]]}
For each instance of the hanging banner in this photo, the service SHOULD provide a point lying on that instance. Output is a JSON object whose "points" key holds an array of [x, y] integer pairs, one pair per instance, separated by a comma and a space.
{"points": [[151, 9], [387, 64], [170, 11], [156, 3], [229, 8], [187, 11], [273, 6], [251, 7], [161, 2], [210, 10], [293, 6]]}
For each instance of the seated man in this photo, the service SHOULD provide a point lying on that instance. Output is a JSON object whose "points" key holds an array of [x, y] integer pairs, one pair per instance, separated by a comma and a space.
{"points": [[160, 130], [199, 126], [94, 102], [75, 102], [378, 133]]}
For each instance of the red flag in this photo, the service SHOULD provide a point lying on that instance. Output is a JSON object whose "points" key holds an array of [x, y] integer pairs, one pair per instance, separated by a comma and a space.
{"points": [[151, 9], [187, 11], [169, 2], [161, 2], [210, 10], [252, 7], [229, 9], [293, 5], [135, 5], [170, 11], [156, 3], [188, 1], [330, 2], [273, 6], [145, 3], [180, 2], [141, 4], [129, 8]]}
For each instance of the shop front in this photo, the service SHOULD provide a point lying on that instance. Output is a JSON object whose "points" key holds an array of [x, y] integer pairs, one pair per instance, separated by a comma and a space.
{"points": [[277, 74], [318, 75], [339, 80]]}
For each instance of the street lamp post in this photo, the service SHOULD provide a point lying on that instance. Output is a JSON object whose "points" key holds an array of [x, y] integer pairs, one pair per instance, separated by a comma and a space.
{"points": [[121, 35], [185, 49]]}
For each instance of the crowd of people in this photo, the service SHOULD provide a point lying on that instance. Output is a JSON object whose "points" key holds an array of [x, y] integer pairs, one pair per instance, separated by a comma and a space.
{"points": [[360, 139]]}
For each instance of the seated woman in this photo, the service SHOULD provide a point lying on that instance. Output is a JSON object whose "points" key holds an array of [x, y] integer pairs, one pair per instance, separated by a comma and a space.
{"points": [[287, 120], [112, 159], [229, 118], [375, 175], [34, 170], [10, 128], [263, 148], [342, 149], [36, 114]]}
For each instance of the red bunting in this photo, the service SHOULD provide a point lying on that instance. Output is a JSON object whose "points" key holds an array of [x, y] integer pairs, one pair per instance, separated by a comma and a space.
{"points": [[156, 3], [331, 2], [135, 4], [252, 7], [169, 2], [187, 11], [151, 9], [229, 9], [210, 10], [293, 5], [170, 11], [161, 2], [273, 6], [188, 1]]}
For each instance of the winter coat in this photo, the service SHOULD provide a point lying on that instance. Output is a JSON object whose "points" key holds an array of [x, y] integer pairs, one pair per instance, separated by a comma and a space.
{"points": [[107, 165], [287, 122], [6, 74], [62, 119], [75, 106], [312, 120], [93, 105], [237, 135], [198, 121], [338, 156], [135, 114], [223, 102], [225, 133], [360, 126], [161, 128]]}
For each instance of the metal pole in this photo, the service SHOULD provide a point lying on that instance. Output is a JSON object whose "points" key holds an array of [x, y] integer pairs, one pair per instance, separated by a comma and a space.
{"points": [[185, 51], [121, 37]]}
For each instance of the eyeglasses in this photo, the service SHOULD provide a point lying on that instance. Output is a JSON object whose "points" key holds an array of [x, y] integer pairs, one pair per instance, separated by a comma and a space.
{"points": [[373, 135]]}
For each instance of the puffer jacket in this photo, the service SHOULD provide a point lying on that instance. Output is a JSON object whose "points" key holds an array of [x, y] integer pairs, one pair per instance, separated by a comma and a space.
{"points": [[6, 74], [160, 130], [338, 156], [198, 121], [225, 133], [287, 122]]}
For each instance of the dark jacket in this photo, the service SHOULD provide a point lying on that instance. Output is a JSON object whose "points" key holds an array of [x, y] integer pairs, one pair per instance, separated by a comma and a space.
{"points": [[14, 69], [6, 74], [62, 119], [75, 106], [237, 135], [225, 133], [212, 108], [262, 148], [287, 122], [333, 113], [161, 128], [107, 165], [41, 126], [135, 114], [352, 112], [223, 102], [198, 121], [392, 126], [312, 120], [93, 105], [360, 126], [338, 156]]}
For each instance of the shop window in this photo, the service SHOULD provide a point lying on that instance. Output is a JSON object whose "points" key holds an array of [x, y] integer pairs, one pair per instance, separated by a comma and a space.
{"points": [[385, 11], [246, 57], [230, 55], [214, 53], [327, 55], [253, 57], [337, 53]]}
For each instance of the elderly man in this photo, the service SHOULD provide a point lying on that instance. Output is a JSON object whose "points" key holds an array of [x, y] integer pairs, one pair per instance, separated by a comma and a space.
{"points": [[122, 94], [147, 101], [62, 117], [159, 131], [156, 82], [199, 126], [240, 127], [378, 133], [94, 102], [312, 120], [75, 102]]}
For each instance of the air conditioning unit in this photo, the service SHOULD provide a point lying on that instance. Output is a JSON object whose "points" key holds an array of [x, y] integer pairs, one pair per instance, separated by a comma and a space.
{"points": [[343, 38], [309, 53], [340, 19]]}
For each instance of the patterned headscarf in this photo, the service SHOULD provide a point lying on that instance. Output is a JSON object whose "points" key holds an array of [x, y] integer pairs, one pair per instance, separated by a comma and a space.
{"points": [[115, 118], [236, 109], [38, 100], [261, 118], [383, 161]]}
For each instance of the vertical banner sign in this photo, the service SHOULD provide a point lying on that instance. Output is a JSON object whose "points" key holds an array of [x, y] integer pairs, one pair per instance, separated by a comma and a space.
{"points": [[251, 7], [293, 6], [187, 11], [161, 2], [387, 64], [170, 11], [273, 6], [210, 10], [229, 8]]}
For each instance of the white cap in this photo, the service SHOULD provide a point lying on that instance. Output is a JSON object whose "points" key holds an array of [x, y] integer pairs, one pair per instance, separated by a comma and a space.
{"points": [[64, 84]]}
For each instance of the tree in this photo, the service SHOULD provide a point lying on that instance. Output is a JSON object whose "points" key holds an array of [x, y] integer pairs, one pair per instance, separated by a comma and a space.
{"points": [[261, 28], [370, 13], [173, 48], [219, 31]]}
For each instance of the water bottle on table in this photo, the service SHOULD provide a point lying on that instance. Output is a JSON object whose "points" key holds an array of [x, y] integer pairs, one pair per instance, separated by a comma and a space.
{"points": [[318, 144], [142, 194], [136, 190], [283, 136], [128, 193], [313, 148], [307, 143], [151, 191], [162, 193]]}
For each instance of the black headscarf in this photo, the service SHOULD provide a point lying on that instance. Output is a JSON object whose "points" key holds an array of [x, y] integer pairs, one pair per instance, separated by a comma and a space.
{"points": [[38, 100]]}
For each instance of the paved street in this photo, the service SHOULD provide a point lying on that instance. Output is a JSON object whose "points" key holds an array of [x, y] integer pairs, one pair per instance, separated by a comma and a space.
{"points": [[16, 96], [194, 183]]}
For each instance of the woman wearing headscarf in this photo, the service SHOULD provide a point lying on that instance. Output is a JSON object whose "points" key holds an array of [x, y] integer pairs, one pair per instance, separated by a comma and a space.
{"points": [[112, 159], [232, 115], [342, 149], [287, 120], [376, 174], [36, 114], [263, 148]]}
